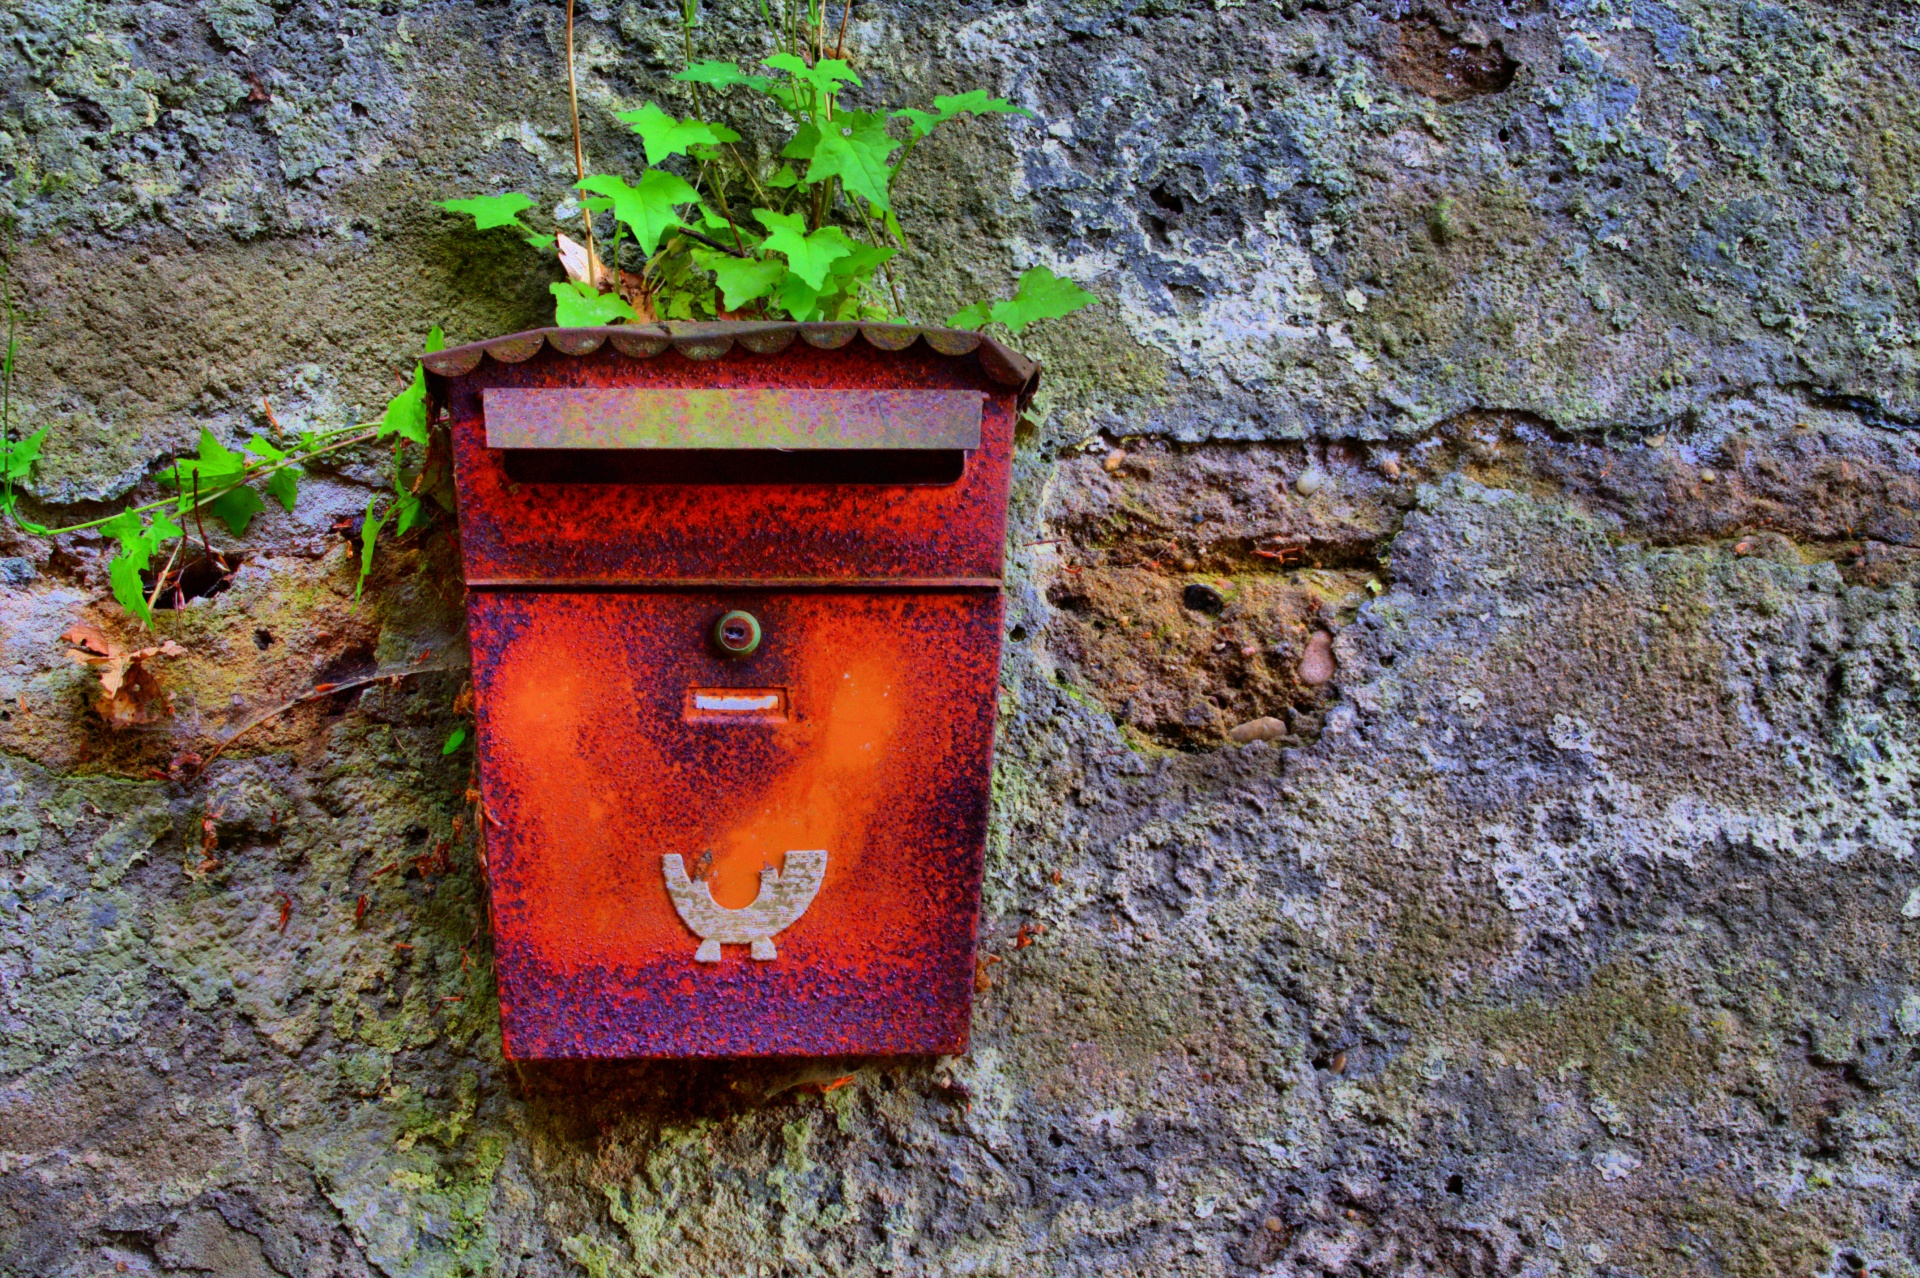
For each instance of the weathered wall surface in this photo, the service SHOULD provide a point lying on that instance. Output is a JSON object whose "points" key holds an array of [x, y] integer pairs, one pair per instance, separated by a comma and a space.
{"points": [[1543, 374]]}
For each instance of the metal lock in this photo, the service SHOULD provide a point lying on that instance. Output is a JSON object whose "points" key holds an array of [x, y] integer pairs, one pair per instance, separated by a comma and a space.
{"points": [[738, 634]]}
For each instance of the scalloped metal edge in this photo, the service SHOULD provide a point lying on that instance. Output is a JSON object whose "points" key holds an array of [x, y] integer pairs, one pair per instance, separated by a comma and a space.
{"points": [[457, 362], [517, 349], [576, 341], [711, 340]]}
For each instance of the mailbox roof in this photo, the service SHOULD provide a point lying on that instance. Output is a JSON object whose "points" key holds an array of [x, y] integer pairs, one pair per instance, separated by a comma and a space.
{"points": [[712, 340]]}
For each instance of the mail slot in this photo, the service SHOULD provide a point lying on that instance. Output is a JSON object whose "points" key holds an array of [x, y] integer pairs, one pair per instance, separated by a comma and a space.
{"points": [[735, 610]]}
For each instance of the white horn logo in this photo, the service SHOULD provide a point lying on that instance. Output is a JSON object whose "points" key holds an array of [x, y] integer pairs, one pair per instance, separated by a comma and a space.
{"points": [[783, 898]]}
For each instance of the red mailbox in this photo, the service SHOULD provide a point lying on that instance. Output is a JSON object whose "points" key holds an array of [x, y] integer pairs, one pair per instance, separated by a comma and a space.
{"points": [[734, 598]]}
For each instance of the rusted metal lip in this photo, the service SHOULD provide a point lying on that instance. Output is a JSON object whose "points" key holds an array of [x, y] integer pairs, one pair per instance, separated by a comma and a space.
{"points": [[454, 363], [713, 339], [828, 337], [770, 340], [520, 347], [707, 346], [952, 341], [639, 343], [890, 337], [576, 341]]}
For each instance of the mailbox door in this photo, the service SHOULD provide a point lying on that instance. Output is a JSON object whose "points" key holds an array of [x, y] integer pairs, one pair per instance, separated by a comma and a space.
{"points": [[617, 735]]}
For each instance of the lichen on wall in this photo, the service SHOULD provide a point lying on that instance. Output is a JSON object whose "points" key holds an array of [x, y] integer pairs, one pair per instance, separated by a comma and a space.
{"points": [[1455, 803]]}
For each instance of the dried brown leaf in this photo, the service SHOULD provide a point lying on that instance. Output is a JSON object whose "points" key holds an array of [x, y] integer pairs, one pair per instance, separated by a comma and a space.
{"points": [[130, 694], [87, 637]]}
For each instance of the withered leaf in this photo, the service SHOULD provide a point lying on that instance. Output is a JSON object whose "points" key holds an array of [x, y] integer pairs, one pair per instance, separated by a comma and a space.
{"points": [[130, 694]]}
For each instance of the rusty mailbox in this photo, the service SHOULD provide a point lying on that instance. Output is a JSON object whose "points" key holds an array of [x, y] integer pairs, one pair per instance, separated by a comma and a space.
{"points": [[734, 599]]}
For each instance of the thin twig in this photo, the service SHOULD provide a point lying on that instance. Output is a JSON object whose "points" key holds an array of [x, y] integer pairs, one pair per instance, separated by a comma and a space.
{"points": [[205, 545], [686, 232], [840, 49], [579, 153], [318, 691], [160, 582]]}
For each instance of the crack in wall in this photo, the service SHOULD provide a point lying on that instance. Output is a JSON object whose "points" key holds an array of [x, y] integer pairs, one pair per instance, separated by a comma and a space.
{"points": [[1189, 581]]}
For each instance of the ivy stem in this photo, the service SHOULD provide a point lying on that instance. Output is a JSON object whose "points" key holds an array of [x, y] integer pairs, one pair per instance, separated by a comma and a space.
{"points": [[579, 152], [840, 46], [247, 477]]}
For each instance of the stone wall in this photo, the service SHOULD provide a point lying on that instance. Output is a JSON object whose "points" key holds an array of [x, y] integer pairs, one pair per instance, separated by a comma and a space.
{"points": [[1507, 410]]}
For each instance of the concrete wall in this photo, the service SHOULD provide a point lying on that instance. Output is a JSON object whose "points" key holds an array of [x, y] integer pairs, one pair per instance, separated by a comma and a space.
{"points": [[1568, 928]]}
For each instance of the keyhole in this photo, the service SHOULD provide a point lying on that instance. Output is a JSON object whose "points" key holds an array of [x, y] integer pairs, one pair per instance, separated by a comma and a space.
{"points": [[737, 633]]}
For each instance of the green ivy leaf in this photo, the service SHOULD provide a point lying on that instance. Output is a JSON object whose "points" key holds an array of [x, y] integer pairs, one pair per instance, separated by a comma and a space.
{"points": [[236, 508], [1041, 295], [455, 739], [783, 177], [741, 279], [369, 534], [139, 543], [216, 466], [408, 511], [954, 105], [854, 147], [284, 488], [826, 75], [578, 304], [124, 576], [664, 136], [808, 256], [716, 224], [975, 102], [406, 414], [863, 262], [974, 316], [722, 75], [651, 209], [18, 458], [436, 340], [489, 211], [798, 300], [126, 528], [919, 123], [801, 145]]}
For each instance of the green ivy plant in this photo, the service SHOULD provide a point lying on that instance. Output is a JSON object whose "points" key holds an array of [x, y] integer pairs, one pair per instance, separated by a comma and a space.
{"points": [[228, 485], [711, 230]]}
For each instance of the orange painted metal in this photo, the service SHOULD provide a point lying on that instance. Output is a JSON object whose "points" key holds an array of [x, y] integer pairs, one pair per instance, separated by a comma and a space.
{"points": [[615, 730]]}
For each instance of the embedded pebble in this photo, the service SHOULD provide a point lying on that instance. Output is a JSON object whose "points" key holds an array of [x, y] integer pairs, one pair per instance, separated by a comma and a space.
{"points": [[1317, 666], [1114, 461], [1310, 483], [1264, 729]]}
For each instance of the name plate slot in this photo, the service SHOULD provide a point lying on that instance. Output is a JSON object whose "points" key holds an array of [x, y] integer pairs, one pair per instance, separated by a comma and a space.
{"points": [[745, 418]]}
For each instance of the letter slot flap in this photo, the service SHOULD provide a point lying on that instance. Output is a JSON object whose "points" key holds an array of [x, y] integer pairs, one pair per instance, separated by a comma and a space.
{"points": [[736, 418]]}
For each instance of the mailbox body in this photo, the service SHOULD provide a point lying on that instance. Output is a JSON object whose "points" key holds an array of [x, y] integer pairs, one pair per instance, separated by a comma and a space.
{"points": [[615, 735]]}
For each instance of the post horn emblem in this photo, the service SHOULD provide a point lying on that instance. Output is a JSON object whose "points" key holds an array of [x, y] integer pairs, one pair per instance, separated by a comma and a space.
{"points": [[784, 897]]}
